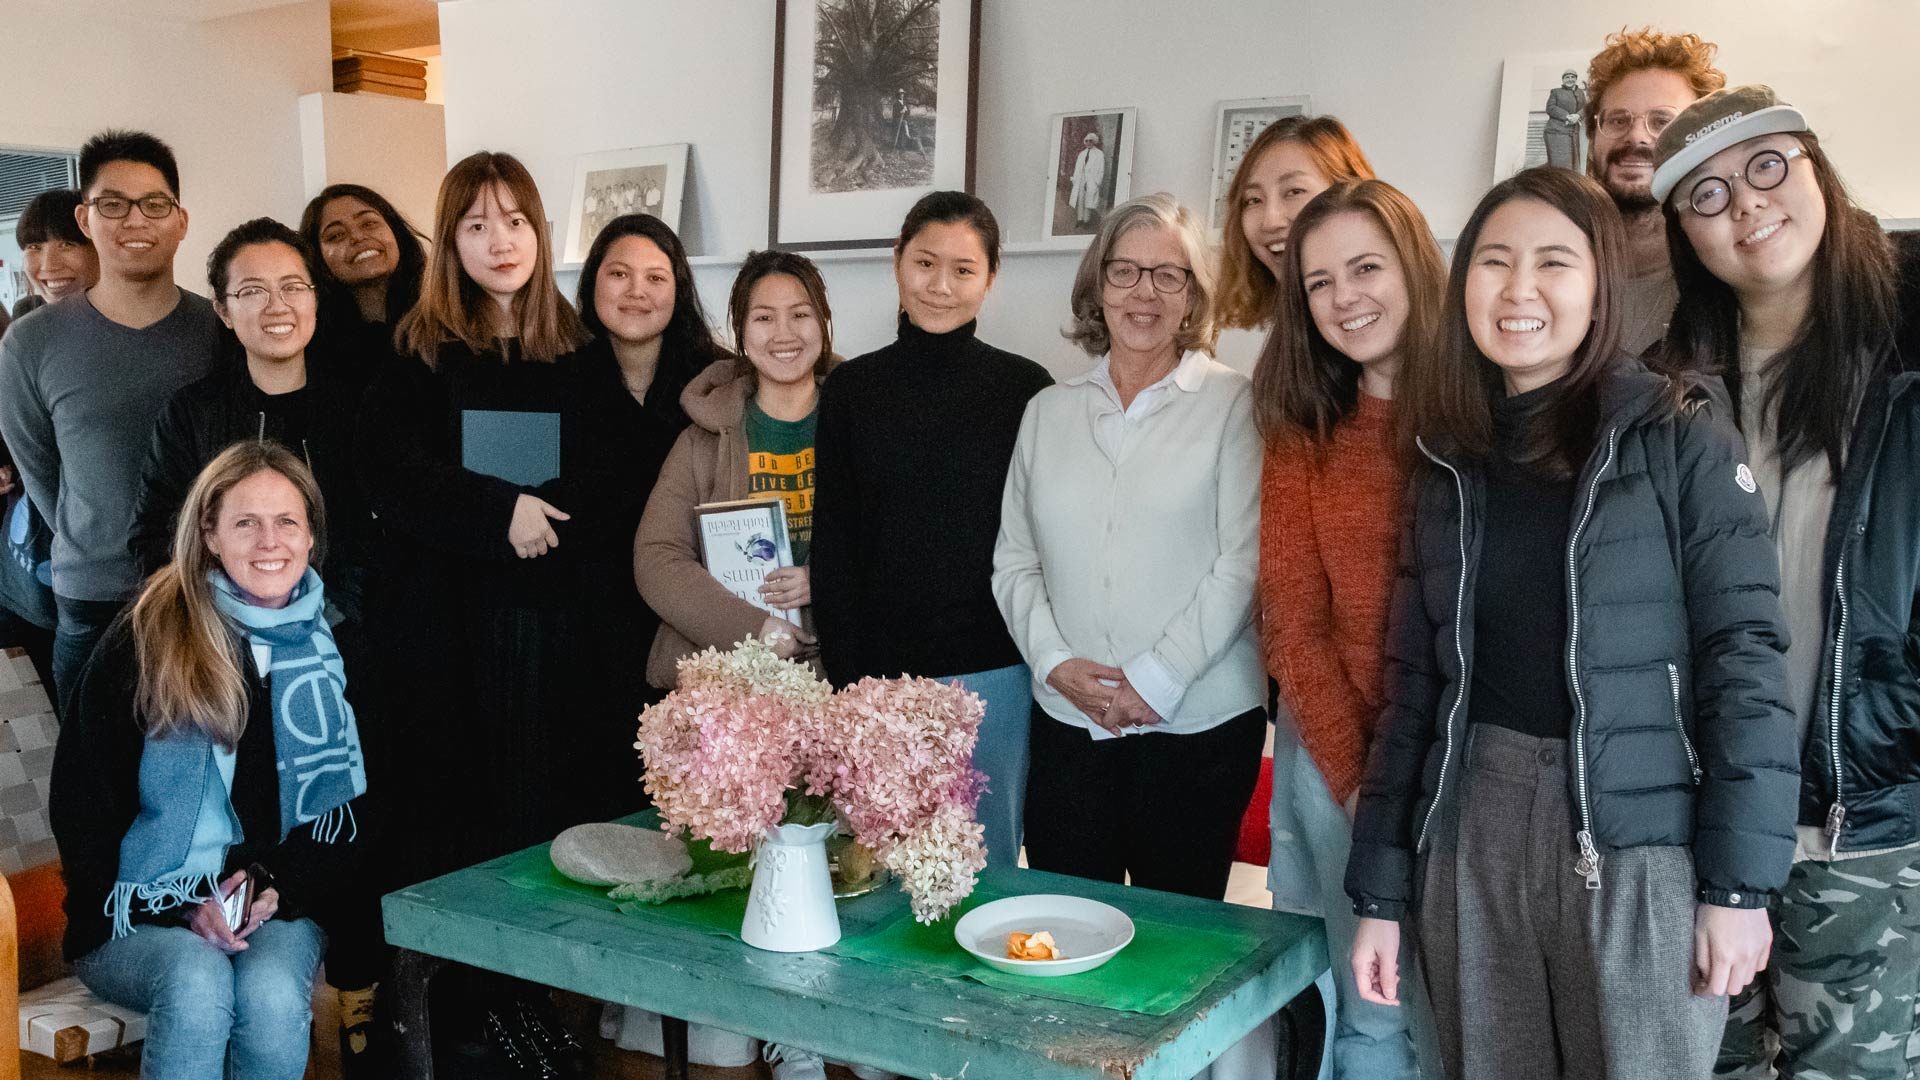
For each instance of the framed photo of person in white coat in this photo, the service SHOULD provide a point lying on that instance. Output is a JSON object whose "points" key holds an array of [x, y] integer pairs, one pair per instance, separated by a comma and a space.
{"points": [[1089, 166]]}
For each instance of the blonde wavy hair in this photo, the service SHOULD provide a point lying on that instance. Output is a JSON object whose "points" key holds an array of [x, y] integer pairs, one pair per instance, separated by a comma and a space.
{"points": [[189, 660]]}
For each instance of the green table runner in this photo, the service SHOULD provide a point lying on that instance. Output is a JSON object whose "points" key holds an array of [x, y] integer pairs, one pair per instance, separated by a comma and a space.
{"points": [[1166, 966]]}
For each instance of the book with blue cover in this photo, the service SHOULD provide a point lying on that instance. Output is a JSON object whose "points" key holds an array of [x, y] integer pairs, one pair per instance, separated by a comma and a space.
{"points": [[519, 447]]}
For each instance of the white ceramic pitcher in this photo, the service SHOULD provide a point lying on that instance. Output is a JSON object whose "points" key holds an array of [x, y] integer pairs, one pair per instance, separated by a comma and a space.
{"points": [[790, 906]]}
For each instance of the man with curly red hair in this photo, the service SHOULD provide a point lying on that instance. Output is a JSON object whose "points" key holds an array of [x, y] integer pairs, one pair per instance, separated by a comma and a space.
{"points": [[1635, 87]]}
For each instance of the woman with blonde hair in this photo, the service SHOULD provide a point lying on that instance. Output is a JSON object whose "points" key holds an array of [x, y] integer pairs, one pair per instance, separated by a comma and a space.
{"points": [[1125, 570], [198, 879], [1294, 159]]}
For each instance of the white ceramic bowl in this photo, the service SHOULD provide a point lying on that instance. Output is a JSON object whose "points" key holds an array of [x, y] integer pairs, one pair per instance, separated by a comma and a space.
{"points": [[1087, 931]]}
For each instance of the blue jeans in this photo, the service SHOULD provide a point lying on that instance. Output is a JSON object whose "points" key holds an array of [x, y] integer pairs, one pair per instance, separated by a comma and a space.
{"points": [[1002, 754], [78, 625], [1312, 837], [245, 1016]]}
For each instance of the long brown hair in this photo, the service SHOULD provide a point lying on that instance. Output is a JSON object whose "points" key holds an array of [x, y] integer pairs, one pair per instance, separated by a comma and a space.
{"points": [[1849, 330], [1451, 397], [1302, 386], [453, 308], [1245, 285], [188, 657]]}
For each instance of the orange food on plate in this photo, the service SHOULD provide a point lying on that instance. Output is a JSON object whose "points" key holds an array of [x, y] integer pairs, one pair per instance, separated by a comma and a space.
{"points": [[1035, 946]]}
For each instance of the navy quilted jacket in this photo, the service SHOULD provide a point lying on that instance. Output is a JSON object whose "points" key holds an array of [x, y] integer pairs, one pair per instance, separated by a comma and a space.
{"points": [[1682, 732]]}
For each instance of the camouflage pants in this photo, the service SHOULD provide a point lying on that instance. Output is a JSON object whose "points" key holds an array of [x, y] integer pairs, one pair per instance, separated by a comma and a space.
{"points": [[1838, 1000]]}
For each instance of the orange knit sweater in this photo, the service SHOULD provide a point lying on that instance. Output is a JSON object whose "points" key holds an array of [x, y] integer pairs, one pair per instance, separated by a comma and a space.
{"points": [[1329, 533]]}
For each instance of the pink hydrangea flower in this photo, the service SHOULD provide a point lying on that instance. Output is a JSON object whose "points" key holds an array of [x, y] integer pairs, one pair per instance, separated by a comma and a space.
{"points": [[747, 731]]}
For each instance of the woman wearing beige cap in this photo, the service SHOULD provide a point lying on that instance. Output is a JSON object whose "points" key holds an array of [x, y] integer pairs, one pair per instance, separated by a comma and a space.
{"points": [[1792, 292]]}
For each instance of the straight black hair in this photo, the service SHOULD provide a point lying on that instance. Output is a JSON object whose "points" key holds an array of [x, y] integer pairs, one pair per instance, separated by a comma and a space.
{"points": [[403, 285], [50, 217], [261, 230], [687, 345], [760, 265], [948, 207], [137, 146]]}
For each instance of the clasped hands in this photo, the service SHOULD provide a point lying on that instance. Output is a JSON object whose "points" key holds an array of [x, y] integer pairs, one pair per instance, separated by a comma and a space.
{"points": [[1103, 693]]}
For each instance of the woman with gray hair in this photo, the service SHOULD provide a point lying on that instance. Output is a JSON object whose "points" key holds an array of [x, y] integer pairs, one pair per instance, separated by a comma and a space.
{"points": [[1125, 569]]}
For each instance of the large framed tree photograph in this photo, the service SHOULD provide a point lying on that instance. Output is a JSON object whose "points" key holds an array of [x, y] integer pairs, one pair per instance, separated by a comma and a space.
{"points": [[873, 107]]}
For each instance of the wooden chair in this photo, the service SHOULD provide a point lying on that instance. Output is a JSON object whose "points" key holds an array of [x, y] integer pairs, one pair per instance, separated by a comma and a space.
{"points": [[9, 985], [57, 1017]]}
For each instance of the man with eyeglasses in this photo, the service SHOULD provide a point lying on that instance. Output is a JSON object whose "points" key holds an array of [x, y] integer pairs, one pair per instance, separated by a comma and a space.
{"points": [[1635, 87], [81, 382]]}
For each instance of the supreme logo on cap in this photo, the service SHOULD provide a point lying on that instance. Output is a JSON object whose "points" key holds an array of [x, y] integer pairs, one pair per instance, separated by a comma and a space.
{"points": [[1715, 126]]}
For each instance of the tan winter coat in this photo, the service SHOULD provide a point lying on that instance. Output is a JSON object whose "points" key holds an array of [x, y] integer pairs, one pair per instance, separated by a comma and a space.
{"points": [[708, 464]]}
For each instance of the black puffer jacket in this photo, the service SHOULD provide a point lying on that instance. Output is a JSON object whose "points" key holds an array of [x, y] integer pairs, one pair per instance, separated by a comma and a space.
{"points": [[1682, 734], [1869, 794]]}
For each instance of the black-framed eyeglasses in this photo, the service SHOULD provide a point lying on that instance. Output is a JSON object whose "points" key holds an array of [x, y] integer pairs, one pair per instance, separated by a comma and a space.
{"points": [[153, 207], [1618, 122], [255, 296], [1764, 171], [1166, 278]]}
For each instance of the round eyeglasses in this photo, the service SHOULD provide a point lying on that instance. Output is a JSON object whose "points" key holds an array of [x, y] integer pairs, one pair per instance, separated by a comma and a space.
{"points": [[1166, 278], [153, 207], [1764, 171], [1618, 122]]}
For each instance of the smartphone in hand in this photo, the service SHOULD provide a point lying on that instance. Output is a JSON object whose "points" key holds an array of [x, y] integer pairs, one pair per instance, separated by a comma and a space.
{"points": [[238, 903]]}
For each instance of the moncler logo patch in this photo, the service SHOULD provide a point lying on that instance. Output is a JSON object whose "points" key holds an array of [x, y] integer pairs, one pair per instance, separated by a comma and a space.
{"points": [[1744, 477]]}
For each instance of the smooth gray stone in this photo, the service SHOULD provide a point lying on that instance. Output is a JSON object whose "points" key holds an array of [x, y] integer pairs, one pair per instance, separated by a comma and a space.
{"points": [[604, 853]]}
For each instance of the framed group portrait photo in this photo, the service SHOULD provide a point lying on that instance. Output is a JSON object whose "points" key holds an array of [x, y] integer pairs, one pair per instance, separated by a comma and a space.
{"points": [[612, 183]]}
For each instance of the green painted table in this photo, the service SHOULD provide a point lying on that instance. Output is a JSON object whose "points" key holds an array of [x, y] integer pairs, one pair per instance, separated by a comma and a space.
{"points": [[921, 1025]]}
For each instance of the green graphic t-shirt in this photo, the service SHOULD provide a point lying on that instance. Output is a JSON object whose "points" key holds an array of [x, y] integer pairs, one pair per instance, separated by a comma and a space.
{"points": [[780, 462]]}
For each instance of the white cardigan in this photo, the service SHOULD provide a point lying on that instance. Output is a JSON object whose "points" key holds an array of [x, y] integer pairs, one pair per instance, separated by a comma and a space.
{"points": [[1138, 549]]}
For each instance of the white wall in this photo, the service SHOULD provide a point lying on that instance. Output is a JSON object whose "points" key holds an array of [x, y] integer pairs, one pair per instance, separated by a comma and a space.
{"points": [[222, 93], [396, 146], [1417, 81]]}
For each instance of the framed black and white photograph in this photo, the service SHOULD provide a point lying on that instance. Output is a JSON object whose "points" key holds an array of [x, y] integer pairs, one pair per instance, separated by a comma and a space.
{"points": [[1089, 172], [1235, 125], [873, 106], [606, 185], [1543, 113]]}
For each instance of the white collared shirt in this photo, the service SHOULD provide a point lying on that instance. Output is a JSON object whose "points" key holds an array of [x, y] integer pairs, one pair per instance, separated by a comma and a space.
{"points": [[1130, 534]]}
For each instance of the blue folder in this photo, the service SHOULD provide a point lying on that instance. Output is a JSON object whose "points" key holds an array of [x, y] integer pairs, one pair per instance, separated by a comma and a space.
{"points": [[519, 447]]}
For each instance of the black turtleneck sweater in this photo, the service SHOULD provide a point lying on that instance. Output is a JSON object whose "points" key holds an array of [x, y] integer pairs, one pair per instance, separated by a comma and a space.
{"points": [[1520, 595], [913, 445]]}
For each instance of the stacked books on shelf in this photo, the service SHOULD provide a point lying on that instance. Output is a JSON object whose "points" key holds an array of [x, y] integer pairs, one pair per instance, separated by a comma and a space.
{"points": [[356, 72]]}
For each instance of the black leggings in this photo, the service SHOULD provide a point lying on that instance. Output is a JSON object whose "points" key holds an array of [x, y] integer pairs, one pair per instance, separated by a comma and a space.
{"points": [[1162, 808]]}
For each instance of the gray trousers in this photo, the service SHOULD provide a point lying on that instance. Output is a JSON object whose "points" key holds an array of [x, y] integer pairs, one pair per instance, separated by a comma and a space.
{"points": [[1531, 974]]}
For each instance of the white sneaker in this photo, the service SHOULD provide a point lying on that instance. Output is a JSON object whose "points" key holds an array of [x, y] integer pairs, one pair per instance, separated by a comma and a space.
{"points": [[868, 1072], [793, 1063]]}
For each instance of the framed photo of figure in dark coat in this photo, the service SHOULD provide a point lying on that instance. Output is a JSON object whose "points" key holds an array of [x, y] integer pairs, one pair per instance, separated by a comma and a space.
{"points": [[1543, 113], [873, 107]]}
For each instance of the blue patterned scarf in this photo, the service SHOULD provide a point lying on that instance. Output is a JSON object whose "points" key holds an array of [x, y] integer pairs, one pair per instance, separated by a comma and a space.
{"points": [[316, 748]]}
